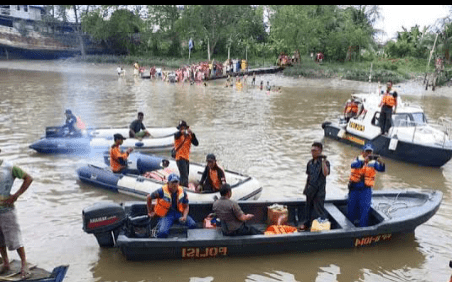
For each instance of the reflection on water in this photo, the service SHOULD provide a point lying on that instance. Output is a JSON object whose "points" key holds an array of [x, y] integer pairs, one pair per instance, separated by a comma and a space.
{"points": [[266, 135]]}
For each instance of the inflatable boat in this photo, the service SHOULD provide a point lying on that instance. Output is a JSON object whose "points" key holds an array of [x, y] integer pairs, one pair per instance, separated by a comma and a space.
{"points": [[128, 227], [162, 139], [147, 174], [411, 138]]}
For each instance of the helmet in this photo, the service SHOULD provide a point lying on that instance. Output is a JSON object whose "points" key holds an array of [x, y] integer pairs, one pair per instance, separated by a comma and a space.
{"points": [[368, 147]]}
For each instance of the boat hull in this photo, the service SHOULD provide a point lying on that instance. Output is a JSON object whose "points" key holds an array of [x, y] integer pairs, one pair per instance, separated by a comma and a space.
{"points": [[386, 223], [134, 184], [404, 151], [101, 139]]}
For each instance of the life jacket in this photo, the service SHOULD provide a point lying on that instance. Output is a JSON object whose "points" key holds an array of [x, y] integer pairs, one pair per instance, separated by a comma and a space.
{"points": [[280, 229], [164, 204], [215, 179], [369, 176], [389, 100], [80, 124], [357, 174], [351, 107], [184, 151]]}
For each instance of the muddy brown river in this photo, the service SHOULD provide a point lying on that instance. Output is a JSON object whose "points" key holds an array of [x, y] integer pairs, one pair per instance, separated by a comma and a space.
{"points": [[266, 135]]}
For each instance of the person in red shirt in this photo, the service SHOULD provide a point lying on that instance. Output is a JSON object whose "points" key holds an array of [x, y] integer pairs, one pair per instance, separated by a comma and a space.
{"points": [[118, 159]]}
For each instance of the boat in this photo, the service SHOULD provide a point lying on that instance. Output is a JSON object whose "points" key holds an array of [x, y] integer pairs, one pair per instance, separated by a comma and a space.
{"points": [[146, 175], [36, 274], [101, 139], [410, 139], [127, 226]]}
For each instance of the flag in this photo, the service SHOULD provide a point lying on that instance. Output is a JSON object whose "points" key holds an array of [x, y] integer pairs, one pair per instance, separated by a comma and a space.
{"points": [[190, 44]]}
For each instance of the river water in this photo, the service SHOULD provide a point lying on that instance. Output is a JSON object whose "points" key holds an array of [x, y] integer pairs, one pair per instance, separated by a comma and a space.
{"points": [[266, 135]]}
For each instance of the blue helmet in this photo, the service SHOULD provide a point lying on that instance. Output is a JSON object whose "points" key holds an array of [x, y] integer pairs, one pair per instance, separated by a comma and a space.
{"points": [[368, 147]]}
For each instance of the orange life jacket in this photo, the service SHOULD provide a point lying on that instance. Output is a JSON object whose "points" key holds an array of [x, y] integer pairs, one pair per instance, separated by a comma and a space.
{"points": [[280, 229], [357, 174], [389, 100], [184, 151], [115, 156], [216, 182], [164, 204], [369, 176], [351, 107]]}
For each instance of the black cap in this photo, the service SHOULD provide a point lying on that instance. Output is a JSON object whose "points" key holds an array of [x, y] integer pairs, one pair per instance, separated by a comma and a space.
{"points": [[68, 111], [118, 136], [210, 157], [182, 123]]}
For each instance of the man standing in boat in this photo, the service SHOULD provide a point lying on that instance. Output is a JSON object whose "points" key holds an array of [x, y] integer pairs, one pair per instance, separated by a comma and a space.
{"points": [[137, 128], [182, 145], [317, 169], [118, 159], [171, 206], [362, 179], [10, 235], [388, 106]]}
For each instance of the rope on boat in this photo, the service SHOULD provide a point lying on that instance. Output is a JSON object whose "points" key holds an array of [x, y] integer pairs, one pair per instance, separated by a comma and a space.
{"points": [[388, 208]]}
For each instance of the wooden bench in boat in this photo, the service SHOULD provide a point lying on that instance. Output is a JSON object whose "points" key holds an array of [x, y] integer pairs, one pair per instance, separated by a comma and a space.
{"points": [[337, 216]]}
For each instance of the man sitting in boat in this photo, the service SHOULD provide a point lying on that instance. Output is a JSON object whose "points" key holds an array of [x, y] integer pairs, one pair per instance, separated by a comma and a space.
{"points": [[231, 215], [213, 176], [70, 127], [137, 128], [362, 179], [118, 159], [171, 206], [350, 109]]}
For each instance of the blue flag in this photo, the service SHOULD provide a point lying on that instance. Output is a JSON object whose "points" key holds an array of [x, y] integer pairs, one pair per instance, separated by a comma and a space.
{"points": [[190, 44]]}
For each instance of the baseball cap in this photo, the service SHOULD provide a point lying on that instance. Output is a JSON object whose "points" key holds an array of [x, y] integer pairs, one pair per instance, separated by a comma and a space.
{"points": [[210, 157], [182, 123], [118, 136], [173, 178], [368, 147]]}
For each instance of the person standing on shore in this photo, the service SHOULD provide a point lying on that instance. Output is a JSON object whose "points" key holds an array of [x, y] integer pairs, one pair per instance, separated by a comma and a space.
{"points": [[10, 235]]}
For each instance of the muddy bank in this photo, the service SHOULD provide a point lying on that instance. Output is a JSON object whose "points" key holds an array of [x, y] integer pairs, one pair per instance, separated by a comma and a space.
{"points": [[410, 87]]}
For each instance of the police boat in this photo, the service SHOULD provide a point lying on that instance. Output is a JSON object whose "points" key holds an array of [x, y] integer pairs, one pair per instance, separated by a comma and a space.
{"points": [[411, 138], [393, 215]]}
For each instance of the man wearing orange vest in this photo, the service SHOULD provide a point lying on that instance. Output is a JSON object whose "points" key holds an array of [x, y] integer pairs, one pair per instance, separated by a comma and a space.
{"points": [[118, 159], [213, 176], [388, 106], [362, 179], [171, 206], [182, 144], [351, 109]]}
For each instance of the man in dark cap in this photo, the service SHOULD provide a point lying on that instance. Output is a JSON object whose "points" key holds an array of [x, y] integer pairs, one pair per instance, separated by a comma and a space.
{"points": [[213, 176], [71, 121], [182, 144], [118, 159]]}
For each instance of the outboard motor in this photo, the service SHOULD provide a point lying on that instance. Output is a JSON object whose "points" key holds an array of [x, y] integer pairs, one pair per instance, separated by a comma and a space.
{"points": [[104, 220]]}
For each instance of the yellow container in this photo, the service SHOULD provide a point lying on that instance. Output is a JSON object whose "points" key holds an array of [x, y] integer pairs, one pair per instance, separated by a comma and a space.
{"points": [[320, 226]]}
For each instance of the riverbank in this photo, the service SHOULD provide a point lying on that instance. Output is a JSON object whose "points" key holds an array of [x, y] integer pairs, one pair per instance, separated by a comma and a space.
{"points": [[412, 86]]}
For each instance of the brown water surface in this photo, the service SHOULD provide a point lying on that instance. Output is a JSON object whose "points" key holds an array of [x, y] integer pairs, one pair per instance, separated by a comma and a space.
{"points": [[266, 135]]}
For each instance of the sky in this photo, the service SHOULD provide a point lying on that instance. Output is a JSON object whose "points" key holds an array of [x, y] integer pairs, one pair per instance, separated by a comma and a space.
{"points": [[396, 16]]}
